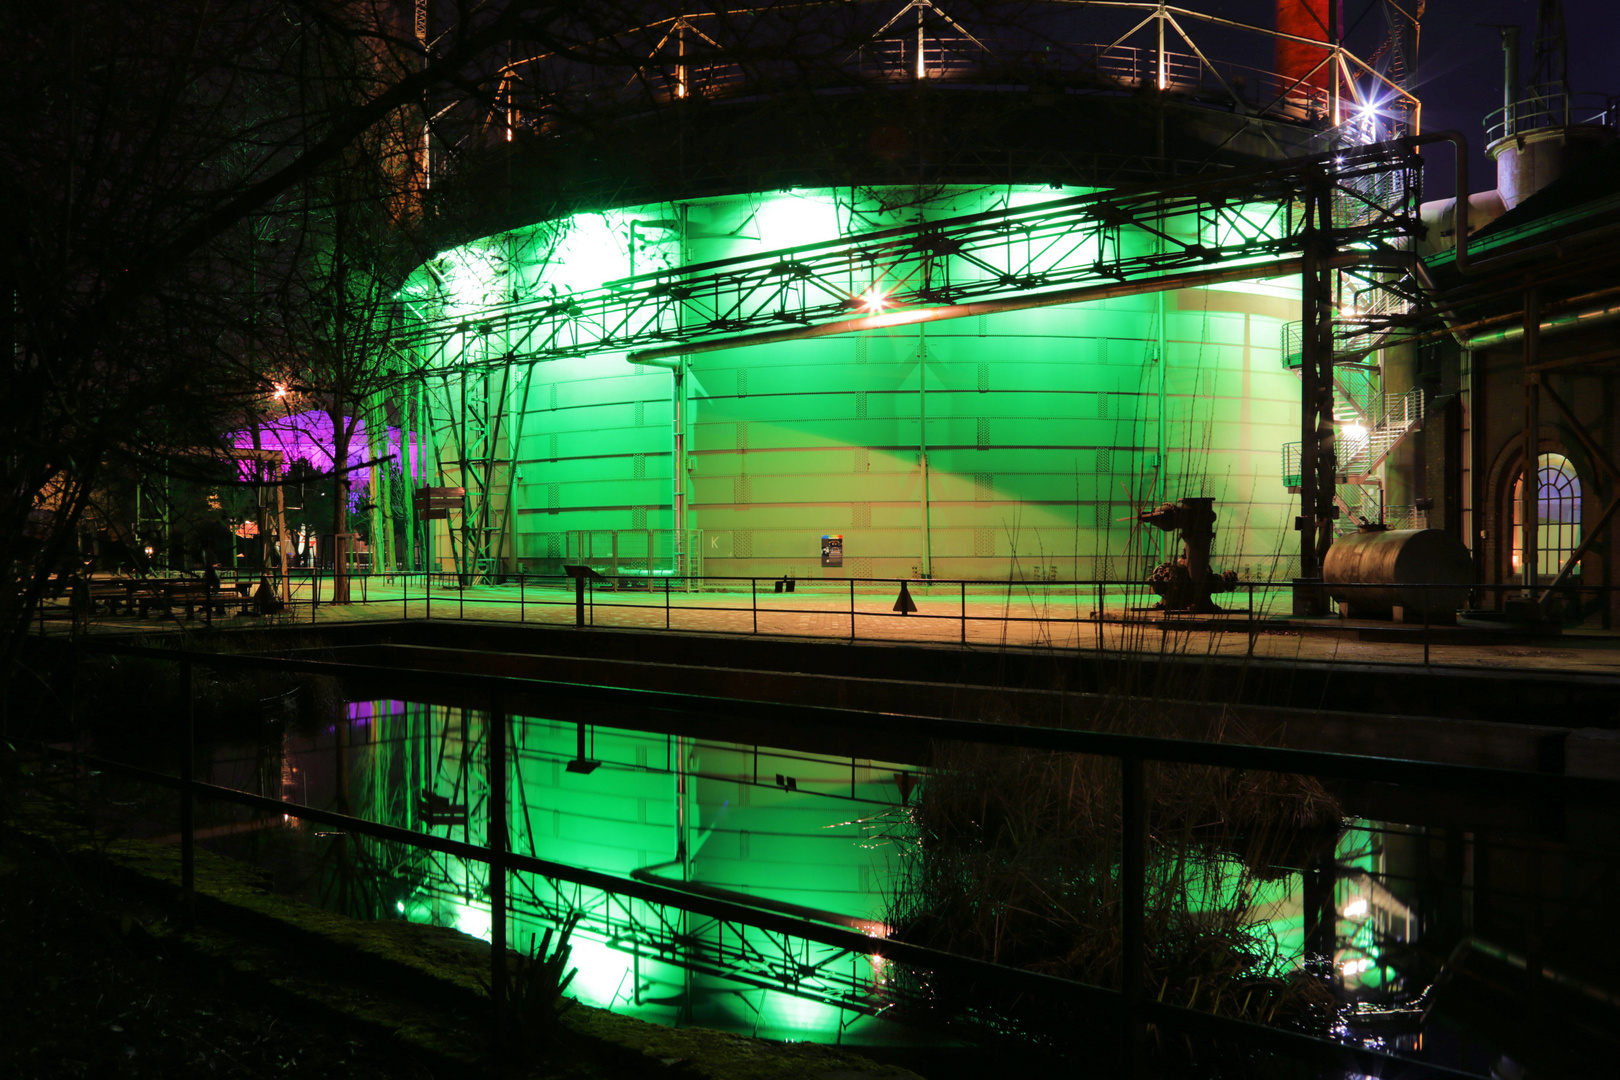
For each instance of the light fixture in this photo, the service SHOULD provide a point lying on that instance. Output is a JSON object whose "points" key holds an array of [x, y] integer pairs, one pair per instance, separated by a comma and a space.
{"points": [[1356, 908], [874, 299]]}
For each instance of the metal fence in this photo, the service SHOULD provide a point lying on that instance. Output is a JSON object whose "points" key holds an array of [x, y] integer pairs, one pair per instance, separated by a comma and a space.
{"points": [[1421, 617]]}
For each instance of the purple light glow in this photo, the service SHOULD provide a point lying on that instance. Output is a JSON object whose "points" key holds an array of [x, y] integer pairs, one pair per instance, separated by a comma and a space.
{"points": [[308, 436]]}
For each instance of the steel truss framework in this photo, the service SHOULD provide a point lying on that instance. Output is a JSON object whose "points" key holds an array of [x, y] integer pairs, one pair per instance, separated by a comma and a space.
{"points": [[1313, 216], [749, 956], [1007, 255]]}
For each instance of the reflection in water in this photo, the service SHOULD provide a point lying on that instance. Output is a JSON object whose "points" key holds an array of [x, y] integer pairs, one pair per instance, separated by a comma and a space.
{"points": [[804, 833], [808, 834]]}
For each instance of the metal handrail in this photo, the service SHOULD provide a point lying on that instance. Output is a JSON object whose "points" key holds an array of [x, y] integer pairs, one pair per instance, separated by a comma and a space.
{"points": [[1551, 107]]}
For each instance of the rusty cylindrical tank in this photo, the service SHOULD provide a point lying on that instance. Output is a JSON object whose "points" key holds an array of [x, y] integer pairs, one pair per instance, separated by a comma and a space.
{"points": [[1408, 573]]}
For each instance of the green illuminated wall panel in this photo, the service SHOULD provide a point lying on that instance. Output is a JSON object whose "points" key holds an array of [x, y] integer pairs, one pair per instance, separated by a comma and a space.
{"points": [[1042, 426]]}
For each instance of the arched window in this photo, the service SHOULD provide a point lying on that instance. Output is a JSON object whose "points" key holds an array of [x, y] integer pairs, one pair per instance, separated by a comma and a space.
{"points": [[1558, 514]]}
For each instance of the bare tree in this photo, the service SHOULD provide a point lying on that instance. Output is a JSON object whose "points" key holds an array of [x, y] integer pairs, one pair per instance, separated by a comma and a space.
{"points": [[336, 316], [139, 145]]}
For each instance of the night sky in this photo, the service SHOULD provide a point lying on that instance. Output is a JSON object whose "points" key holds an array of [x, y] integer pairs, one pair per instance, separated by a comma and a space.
{"points": [[1460, 60]]}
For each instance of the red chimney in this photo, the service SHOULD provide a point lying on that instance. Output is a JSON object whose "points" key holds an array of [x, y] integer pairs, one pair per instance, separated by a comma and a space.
{"points": [[1306, 19]]}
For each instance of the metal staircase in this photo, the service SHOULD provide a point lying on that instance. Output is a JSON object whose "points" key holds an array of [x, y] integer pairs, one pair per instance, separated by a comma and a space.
{"points": [[1372, 423]]}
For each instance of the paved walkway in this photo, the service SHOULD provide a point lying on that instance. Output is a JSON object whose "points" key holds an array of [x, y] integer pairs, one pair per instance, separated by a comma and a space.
{"points": [[982, 616]]}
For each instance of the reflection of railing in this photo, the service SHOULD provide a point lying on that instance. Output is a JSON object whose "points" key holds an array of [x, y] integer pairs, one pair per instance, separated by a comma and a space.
{"points": [[1547, 796], [1550, 107]]}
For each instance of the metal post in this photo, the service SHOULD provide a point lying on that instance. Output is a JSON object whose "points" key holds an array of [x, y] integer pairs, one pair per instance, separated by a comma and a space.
{"points": [[281, 541], [1132, 903], [188, 841], [1251, 619], [1321, 914], [1099, 617], [1317, 470], [1530, 486], [753, 601], [678, 421], [579, 601], [963, 586], [852, 609], [1425, 594], [497, 840], [522, 581], [666, 603]]}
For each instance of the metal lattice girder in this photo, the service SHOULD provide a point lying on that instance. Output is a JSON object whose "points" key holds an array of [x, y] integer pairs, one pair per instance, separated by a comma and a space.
{"points": [[722, 948], [1232, 218]]}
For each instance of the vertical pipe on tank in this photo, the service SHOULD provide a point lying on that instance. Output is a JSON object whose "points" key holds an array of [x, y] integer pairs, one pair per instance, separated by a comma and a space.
{"points": [[678, 452], [922, 68], [1162, 80], [1510, 78], [677, 404], [925, 561], [1166, 538]]}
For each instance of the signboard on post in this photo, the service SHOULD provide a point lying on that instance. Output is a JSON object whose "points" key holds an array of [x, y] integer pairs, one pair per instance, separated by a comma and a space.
{"points": [[435, 503], [832, 551]]}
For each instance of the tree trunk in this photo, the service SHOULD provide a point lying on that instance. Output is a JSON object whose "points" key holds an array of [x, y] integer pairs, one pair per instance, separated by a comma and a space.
{"points": [[341, 434]]}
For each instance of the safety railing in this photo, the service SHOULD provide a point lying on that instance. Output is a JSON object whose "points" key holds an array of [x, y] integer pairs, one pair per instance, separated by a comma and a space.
{"points": [[992, 61], [1551, 107], [1127, 1004], [1042, 610]]}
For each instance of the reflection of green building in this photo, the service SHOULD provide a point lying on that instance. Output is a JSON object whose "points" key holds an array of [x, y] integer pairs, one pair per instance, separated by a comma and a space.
{"points": [[812, 836], [811, 844]]}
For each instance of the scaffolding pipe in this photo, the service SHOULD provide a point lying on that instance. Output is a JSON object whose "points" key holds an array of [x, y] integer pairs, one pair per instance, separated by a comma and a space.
{"points": [[1573, 320]]}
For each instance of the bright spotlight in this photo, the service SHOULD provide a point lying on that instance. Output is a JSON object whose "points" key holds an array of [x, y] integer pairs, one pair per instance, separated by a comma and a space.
{"points": [[1354, 431], [281, 391], [873, 300], [1356, 908]]}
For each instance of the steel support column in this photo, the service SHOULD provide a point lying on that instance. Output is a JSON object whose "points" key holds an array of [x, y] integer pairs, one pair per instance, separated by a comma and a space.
{"points": [[1530, 483], [1318, 471]]}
